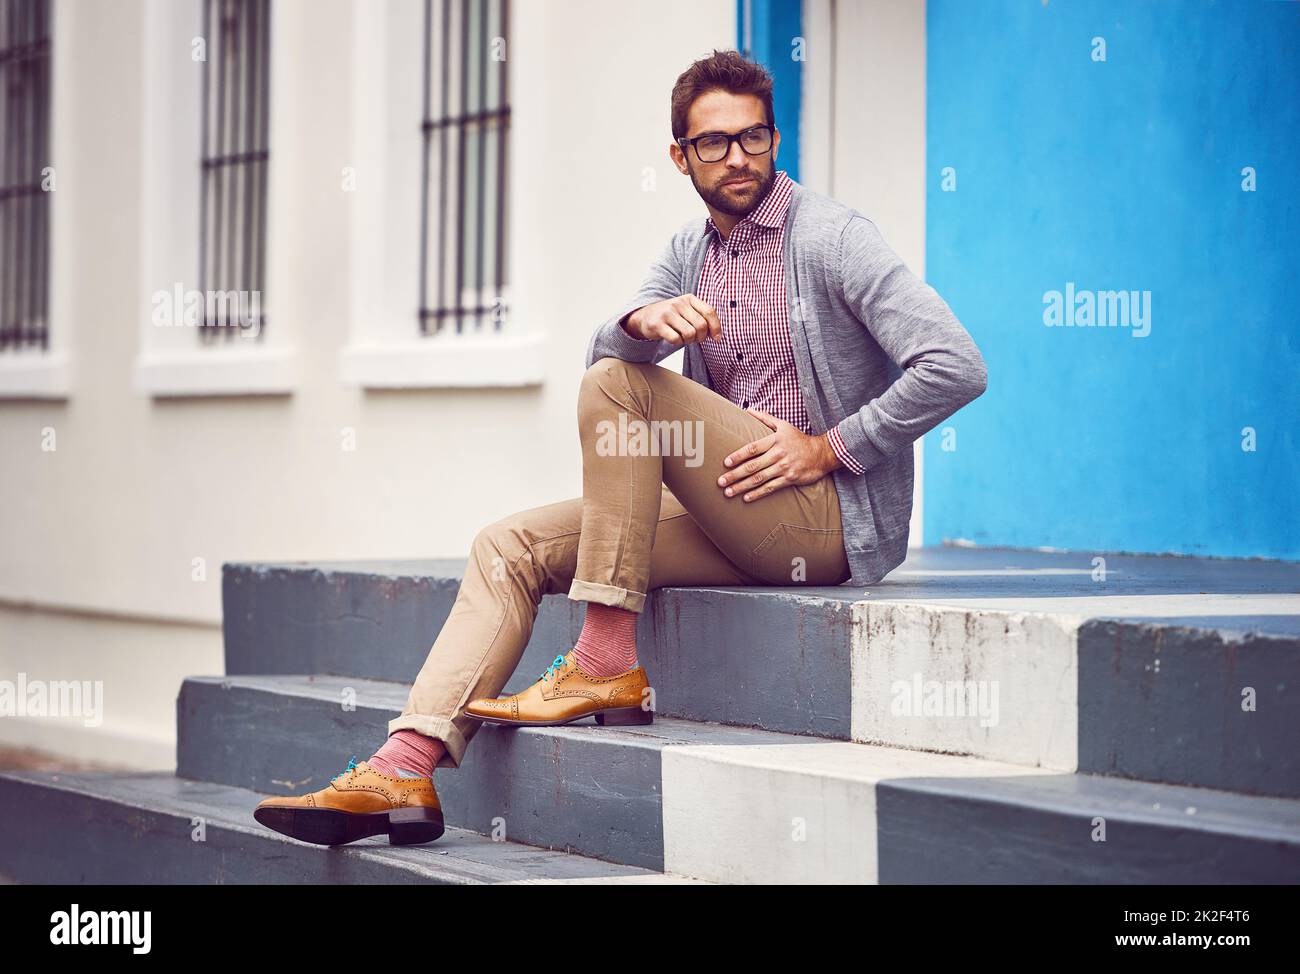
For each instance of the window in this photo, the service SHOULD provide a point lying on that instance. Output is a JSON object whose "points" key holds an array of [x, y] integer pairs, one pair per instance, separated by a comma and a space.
{"points": [[463, 168], [233, 164], [24, 157], [431, 281], [207, 222]]}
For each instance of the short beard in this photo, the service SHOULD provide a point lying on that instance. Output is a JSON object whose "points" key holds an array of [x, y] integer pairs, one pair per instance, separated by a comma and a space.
{"points": [[719, 200]]}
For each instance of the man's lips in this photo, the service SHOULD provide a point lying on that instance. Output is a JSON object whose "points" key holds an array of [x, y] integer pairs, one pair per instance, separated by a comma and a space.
{"points": [[739, 182]]}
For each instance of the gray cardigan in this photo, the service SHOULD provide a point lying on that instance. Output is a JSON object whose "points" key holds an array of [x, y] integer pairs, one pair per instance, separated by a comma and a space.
{"points": [[878, 354]]}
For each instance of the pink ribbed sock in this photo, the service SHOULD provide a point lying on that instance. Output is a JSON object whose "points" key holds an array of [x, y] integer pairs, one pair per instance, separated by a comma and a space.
{"points": [[409, 750], [607, 644]]}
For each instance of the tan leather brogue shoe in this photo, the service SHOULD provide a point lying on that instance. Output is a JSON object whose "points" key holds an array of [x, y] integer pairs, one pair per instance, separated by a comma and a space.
{"points": [[565, 694], [358, 802]]}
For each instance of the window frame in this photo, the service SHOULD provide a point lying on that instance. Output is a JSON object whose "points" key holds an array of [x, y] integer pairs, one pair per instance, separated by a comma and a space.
{"points": [[385, 348]]}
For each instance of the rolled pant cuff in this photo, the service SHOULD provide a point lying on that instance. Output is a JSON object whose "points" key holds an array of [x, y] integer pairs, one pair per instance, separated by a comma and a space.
{"points": [[619, 598], [453, 741]]}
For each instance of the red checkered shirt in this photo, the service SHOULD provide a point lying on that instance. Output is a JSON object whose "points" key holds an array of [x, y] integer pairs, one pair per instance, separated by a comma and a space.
{"points": [[744, 280]]}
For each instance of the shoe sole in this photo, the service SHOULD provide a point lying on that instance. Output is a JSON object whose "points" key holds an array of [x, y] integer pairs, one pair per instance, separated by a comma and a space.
{"points": [[329, 826], [616, 717]]}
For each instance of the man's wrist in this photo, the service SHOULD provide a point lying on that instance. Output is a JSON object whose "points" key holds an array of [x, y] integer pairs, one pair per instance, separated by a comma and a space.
{"points": [[629, 328], [841, 452]]}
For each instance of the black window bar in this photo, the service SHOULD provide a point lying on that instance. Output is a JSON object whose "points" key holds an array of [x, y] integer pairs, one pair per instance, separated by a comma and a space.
{"points": [[233, 167], [462, 224], [24, 153]]}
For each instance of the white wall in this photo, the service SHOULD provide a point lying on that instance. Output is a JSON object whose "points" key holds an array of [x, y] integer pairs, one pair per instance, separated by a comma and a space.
{"points": [[864, 126], [101, 534]]}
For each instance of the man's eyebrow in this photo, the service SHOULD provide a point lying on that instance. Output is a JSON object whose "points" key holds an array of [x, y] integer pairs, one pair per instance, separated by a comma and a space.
{"points": [[720, 132]]}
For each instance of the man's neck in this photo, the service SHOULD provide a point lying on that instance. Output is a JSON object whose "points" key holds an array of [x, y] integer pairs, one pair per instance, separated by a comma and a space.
{"points": [[725, 223]]}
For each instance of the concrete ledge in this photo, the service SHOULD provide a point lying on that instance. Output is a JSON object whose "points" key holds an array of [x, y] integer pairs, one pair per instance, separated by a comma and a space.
{"points": [[26, 374], [493, 361], [1130, 666], [237, 371]]}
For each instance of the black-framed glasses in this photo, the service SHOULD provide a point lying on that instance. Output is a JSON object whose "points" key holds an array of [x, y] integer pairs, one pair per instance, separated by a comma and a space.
{"points": [[714, 146]]}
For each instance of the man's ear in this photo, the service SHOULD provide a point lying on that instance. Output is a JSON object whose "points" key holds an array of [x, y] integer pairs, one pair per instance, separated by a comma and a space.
{"points": [[678, 159]]}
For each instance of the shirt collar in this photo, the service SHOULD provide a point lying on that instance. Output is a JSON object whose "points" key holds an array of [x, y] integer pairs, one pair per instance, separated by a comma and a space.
{"points": [[770, 212]]}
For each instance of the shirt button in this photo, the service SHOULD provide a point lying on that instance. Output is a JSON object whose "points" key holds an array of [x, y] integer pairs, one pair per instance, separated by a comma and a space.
{"points": [[733, 304], [735, 253], [739, 356], [745, 404]]}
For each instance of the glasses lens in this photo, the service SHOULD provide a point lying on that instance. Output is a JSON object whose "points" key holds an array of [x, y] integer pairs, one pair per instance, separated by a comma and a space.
{"points": [[756, 141], [711, 148]]}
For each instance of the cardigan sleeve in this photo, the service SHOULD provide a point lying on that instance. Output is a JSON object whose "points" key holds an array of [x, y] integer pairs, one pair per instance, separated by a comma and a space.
{"points": [[943, 370], [661, 282]]}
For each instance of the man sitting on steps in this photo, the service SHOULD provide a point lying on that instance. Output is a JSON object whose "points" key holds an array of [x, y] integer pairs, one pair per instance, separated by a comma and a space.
{"points": [[814, 358]]}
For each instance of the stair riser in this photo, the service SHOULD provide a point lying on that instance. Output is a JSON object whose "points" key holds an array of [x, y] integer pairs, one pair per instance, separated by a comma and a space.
{"points": [[770, 660], [379, 627], [734, 823], [1133, 700], [1161, 703], [564, 791]]}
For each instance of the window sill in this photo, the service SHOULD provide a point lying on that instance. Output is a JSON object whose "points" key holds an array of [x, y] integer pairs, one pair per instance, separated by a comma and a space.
{"points": [[506, 361], [217, 372], [34, 375]]}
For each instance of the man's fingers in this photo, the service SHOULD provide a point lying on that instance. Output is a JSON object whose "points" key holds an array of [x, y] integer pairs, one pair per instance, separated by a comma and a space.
{"points": [[743, 476], [675, 330], [713, 324], [687, 330], [771, 487], [749, 450]]}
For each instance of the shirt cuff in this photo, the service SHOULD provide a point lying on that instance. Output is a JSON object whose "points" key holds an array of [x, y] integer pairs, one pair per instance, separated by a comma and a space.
{"points": [[841, 451]]}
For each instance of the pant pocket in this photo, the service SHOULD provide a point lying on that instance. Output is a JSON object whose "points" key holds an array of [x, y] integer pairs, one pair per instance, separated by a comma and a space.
{"points": [[793, 554]]}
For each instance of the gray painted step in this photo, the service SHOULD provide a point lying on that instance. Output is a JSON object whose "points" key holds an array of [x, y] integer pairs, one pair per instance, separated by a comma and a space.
{"points": [[720, 802], [105, 827], [833, 812], [594, 790], [379, 618], [771, 658], [1136, 667]]}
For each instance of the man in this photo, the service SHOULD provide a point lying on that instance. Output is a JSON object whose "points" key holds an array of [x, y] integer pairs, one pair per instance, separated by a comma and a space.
{"points": [[782, 455]]}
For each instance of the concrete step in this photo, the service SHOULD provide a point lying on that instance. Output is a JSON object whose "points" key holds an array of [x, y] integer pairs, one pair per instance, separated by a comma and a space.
{"points": [[709, 651], [154, 828], [732, 804], [1179, 670], [832, 812], [595, 790]]}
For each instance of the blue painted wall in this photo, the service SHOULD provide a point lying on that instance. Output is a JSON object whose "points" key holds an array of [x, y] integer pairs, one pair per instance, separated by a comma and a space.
{"points": [[1127, 175], [771, 26]]}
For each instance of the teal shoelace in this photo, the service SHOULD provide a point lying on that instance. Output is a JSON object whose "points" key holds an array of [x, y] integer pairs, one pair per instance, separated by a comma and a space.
{"points": [[554, 668], [351, 764]]}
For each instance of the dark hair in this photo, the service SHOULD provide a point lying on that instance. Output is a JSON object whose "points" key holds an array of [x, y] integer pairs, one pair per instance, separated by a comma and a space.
{"points": [[722, 70]]}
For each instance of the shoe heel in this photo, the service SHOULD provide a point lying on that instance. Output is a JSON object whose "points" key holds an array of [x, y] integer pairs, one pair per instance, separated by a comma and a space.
{"points": [[410, 826], [625, 717]]}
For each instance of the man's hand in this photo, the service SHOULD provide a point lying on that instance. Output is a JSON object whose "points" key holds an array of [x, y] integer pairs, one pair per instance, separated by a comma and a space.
{"points": [[784, 458], [678, 321]]}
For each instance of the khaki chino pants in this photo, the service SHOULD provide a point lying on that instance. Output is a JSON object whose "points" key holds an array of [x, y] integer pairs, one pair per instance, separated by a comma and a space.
{"points": [[651, 515]]}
